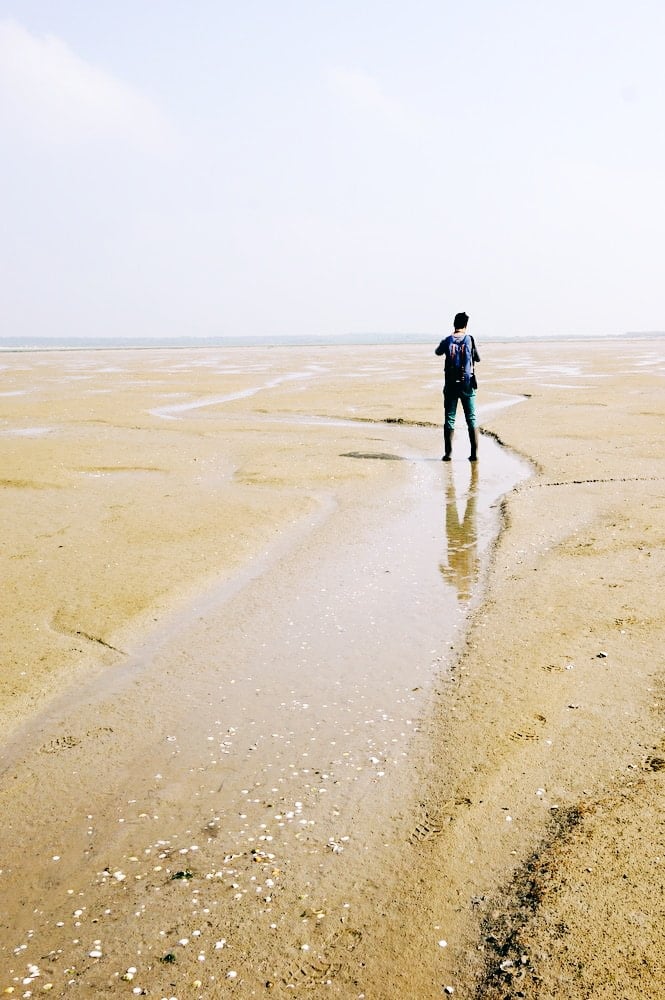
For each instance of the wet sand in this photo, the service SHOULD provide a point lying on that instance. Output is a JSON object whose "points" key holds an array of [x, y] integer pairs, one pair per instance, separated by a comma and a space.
{"points": [[252, 645]]}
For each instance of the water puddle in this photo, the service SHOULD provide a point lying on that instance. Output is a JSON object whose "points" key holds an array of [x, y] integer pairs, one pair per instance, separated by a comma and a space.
{"points": [[26, 431], [171, 410], [493, 405]]}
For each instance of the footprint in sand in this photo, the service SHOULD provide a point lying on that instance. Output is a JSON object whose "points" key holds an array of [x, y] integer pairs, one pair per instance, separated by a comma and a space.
{"points": [[60, 743]]}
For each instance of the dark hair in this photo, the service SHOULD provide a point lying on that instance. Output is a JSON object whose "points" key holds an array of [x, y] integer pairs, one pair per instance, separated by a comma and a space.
{"points": [[461, 320]]}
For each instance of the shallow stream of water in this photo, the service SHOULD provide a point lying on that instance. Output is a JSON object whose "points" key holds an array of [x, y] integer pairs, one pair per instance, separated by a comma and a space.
{"points": [[272, 720]]}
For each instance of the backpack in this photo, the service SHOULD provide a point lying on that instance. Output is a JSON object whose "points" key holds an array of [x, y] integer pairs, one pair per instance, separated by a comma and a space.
{"points": [[460, 359]]}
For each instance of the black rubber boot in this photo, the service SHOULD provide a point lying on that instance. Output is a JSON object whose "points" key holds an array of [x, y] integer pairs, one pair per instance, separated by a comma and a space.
{"points": [[447, 443], [473, 438]]}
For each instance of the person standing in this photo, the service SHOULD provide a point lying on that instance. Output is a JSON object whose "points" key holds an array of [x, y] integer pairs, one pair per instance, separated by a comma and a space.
{"points": [[459, 384]]}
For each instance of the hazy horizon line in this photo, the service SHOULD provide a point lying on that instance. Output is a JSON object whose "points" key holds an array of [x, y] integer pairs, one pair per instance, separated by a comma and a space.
{"points": [[32, 343]]}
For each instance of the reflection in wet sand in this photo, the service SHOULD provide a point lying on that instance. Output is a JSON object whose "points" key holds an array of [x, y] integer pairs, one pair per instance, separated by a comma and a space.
{"points": [[463, 565]]}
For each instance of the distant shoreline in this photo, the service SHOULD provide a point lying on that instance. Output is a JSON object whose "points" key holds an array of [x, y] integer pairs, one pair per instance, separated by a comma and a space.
{"points": [[17, 344]]}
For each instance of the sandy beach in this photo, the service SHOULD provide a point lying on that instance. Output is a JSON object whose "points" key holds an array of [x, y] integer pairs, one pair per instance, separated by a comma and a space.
{"points": [[291, 707]]}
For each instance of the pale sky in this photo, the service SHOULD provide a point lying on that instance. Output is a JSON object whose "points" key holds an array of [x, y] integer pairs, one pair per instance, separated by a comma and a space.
{"points": [[327, 167]]}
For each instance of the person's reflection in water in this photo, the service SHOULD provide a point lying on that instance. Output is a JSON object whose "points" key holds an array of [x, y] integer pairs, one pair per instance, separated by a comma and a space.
{"points": [[462, 537]]}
